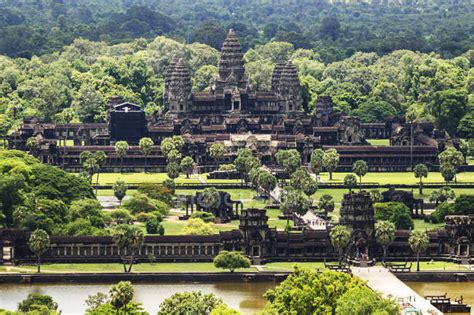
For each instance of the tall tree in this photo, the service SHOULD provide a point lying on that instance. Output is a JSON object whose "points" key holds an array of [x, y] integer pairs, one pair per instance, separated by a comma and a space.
{"points": [[121, 149], [339, 236], [146, 145], [360, 168], [420, 171], [350, 181], [187, 165], [128, 239], [121, 295], [418, 241], [39, 243], [331, 161], [267, 182], [317, 161], [385, 235], [217, 152], [120, 190]]}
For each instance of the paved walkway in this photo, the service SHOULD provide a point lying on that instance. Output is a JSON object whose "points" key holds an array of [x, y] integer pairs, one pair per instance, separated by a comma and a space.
{"points": [[382, 280], [110, 202]]}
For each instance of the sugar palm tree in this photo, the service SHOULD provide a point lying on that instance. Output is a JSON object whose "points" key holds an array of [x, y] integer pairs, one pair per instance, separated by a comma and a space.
{"points": [[121, 148]]}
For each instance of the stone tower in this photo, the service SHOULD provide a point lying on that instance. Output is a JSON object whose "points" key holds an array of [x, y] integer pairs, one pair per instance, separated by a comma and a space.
{"points": [[177, 87], [324, 106], [231, 74], [289, 89], [276, 75], [357, 214], [254, 228]]}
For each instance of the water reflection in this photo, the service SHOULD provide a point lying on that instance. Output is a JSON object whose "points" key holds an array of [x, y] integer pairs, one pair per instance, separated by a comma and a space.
{"points": [[245, 297], [454, 290]]}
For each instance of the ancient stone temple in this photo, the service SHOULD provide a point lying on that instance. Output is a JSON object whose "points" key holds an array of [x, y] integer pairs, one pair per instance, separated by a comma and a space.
{"points": [[357, 214], [233, 113]]}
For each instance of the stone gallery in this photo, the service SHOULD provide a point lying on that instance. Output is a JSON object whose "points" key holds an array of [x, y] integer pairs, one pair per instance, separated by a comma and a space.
{"points": [[260, 242]]}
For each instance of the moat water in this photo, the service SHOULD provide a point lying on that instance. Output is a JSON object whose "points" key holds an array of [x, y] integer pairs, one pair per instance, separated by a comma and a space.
{"points": [[245, 297]]}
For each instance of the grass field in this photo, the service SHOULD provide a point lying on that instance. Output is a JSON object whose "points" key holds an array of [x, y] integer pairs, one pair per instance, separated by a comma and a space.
{"points": [[381, 178], [108, 267], [379, 142], [199, 267]]}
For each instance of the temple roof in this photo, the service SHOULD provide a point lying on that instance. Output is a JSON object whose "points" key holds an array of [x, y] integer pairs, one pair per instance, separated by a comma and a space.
{"points": [[231, 62]]}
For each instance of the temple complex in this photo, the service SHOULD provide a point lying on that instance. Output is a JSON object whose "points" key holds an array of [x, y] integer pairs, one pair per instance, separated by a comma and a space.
{"points": [[233, 113]]}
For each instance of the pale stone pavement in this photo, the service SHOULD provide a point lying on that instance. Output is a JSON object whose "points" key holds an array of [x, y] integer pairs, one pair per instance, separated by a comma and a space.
{"points": [[382, 280]]}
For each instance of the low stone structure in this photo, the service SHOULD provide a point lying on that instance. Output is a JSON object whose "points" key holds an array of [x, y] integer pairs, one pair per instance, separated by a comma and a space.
{"points": [[258, 241]]}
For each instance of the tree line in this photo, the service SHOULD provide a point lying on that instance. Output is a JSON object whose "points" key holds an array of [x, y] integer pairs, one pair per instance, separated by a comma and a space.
{"points": [[337, 30], [75, 84]]}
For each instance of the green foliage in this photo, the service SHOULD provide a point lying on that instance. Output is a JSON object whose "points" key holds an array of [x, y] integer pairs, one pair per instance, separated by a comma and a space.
{"points": [[385, 234], [118, 301], [309, 292], [330, 161], [128, 239], [39, 303], [326, 203], [172, 170], [339, 236], [294, 202], [157, 192], [39, 243], [362, 301], [189, 303], [119, 216], [187, 165], [360, 168], [210, 198], [442, 210], [231, 260], [205, 216], [418, 241], [217, 151], [395, 212], [120, 190], [198, 227], [140, 203], [290, 160], [464, 205], [317, 161], [350, 181]]}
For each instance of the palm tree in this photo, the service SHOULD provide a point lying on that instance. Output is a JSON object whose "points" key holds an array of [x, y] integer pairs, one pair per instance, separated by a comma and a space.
{"points": [[350, 181], [360, 168], [39, 243], [146, 145], [420, 171], [128, 239], [121, 148], [385, 235], [419, 241], [340, 237]]}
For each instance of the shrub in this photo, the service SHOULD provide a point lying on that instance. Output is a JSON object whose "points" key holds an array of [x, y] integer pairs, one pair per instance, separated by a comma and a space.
{"points": [[161, 229], [120, 216], [140, 203], [152, 226], [157, 192], [464, 205], [231, 260], [205, 216], [441, 212], [162, 207], [395, 212], [144, 217], [227, 167]]}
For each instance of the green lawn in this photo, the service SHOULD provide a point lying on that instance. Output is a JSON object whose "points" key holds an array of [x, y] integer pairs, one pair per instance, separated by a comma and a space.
{"points": [[108, 267], [422, 225], [397, 178], [379, 142], [137, 178], [289, 266]]}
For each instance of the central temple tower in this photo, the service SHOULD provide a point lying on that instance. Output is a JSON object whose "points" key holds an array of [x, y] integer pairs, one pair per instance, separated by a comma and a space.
{"points": [[231, 76]]}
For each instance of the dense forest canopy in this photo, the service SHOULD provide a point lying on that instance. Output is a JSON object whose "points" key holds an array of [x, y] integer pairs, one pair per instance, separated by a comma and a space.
{"points": [[81, 78], [335, 30]]}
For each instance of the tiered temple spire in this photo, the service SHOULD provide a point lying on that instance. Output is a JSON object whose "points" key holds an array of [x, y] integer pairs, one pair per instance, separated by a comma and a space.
{"points": [[177, 86], [231, 65], [289, 88], [276, 75]]}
